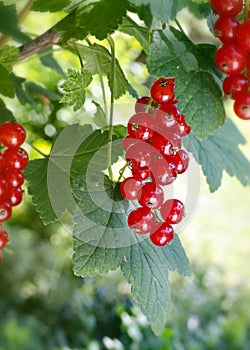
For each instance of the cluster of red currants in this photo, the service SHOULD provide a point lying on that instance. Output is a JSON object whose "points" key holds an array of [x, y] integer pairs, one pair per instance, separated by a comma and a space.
{"points": [[232, 27], [153, 151], [13, 159]]}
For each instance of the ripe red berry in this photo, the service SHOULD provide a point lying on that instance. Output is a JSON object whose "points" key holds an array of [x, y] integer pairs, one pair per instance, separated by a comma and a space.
{"points": [[182, 127], [14, 196], [227, 7], [162, 90], [2, 161], [4, 238], [3, 187], [233, 84], [128, 141], [5, 211], [16, 158], [14, 178], [12, 134], [225, 28], [142, 105], [130, 188], [162, 235], [141, 220], [242, 106], [141, 126], [141, 174], [152, 196], [172, 211], [140, 155], [163, 172], [230, 58], [162, 145], [181, 161], [166, 115], [243, 36]]}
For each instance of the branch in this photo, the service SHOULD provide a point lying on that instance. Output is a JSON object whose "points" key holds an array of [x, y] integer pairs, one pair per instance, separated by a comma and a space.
{"points": [[47, 39]]}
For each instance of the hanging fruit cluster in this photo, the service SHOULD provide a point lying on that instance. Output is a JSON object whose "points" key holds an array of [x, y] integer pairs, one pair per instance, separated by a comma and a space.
{"points": [[153, 151], [13, 159], [232, 27]]}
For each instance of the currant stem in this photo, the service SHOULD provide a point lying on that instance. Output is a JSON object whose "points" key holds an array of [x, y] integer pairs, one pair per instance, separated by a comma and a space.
{"points": [[111, 114], [121, 172], [78, 54], [246, 10]]}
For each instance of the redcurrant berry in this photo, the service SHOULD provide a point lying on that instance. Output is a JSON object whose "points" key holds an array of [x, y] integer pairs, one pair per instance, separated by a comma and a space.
{"points": [[2, 161], [181, 161], [16, 158], [4, 238], [162, 90], [163, 172], [230, 58], [243, 36], [141, 126], [141, 220], [14, 196], [225, 28], [12, 134], [140, 155], [3, 187], [141, 174], [152, 196], [128, 141], [172, 211], [242, 105], [166, 115], [14, 178], [142, 105], [5, 211], [163, 234], [233, 84], [227, 7], [130, 188], [162, 145]]}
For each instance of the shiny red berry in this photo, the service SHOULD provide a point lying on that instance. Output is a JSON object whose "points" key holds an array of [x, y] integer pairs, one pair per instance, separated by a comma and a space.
{"points": [[163, 172], [152, 196], [140, 155], [16, 158], [130, 188], [14, 196], [181, 161], [172, 211], [225, 28], [12, 134], [227, 7], [143, 105], [230, 58], [166, 116], [14, 178], [141, 174], [162, 90], [141, 220], [162, 235], [5, 211], [4, 238], [233, 84], [141, 126], [242, 106], [243, 36]]}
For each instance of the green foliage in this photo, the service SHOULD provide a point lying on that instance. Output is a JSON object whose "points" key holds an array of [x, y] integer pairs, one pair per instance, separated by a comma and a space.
{"points": [[172, 54], [74, 88], [7, 87], [162, 10], [219, 152], [52, 5], [99, 61], [8, 56], [103, 242]]}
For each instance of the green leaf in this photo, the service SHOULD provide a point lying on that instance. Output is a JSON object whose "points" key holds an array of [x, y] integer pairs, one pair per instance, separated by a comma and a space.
{"points": [[103, 17], [5, 113], [171, 54], [48, 60], [9, 23], [98, 61], [74, 87], [103, 242], [32, 88], [69, 28], [141, 34], [161, 9], [8, 56], [7, 87], [100, 118], [220, 152], [49, 5], [36, 175]]}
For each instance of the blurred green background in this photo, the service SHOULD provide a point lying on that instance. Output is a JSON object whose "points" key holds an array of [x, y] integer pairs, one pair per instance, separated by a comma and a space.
{"points": [[44, 306]]}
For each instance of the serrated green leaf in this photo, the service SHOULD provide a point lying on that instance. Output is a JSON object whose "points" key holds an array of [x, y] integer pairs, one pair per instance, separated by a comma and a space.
{"points": [[8, 56], [74, 87], [98, 61], [220, 152], [69, 28], [49, 5], [161, 9], [7, 87], [36, 175], [9, 23], [141, 34], [5, 113], [171, 54], [98, 19], [103, 242]]}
